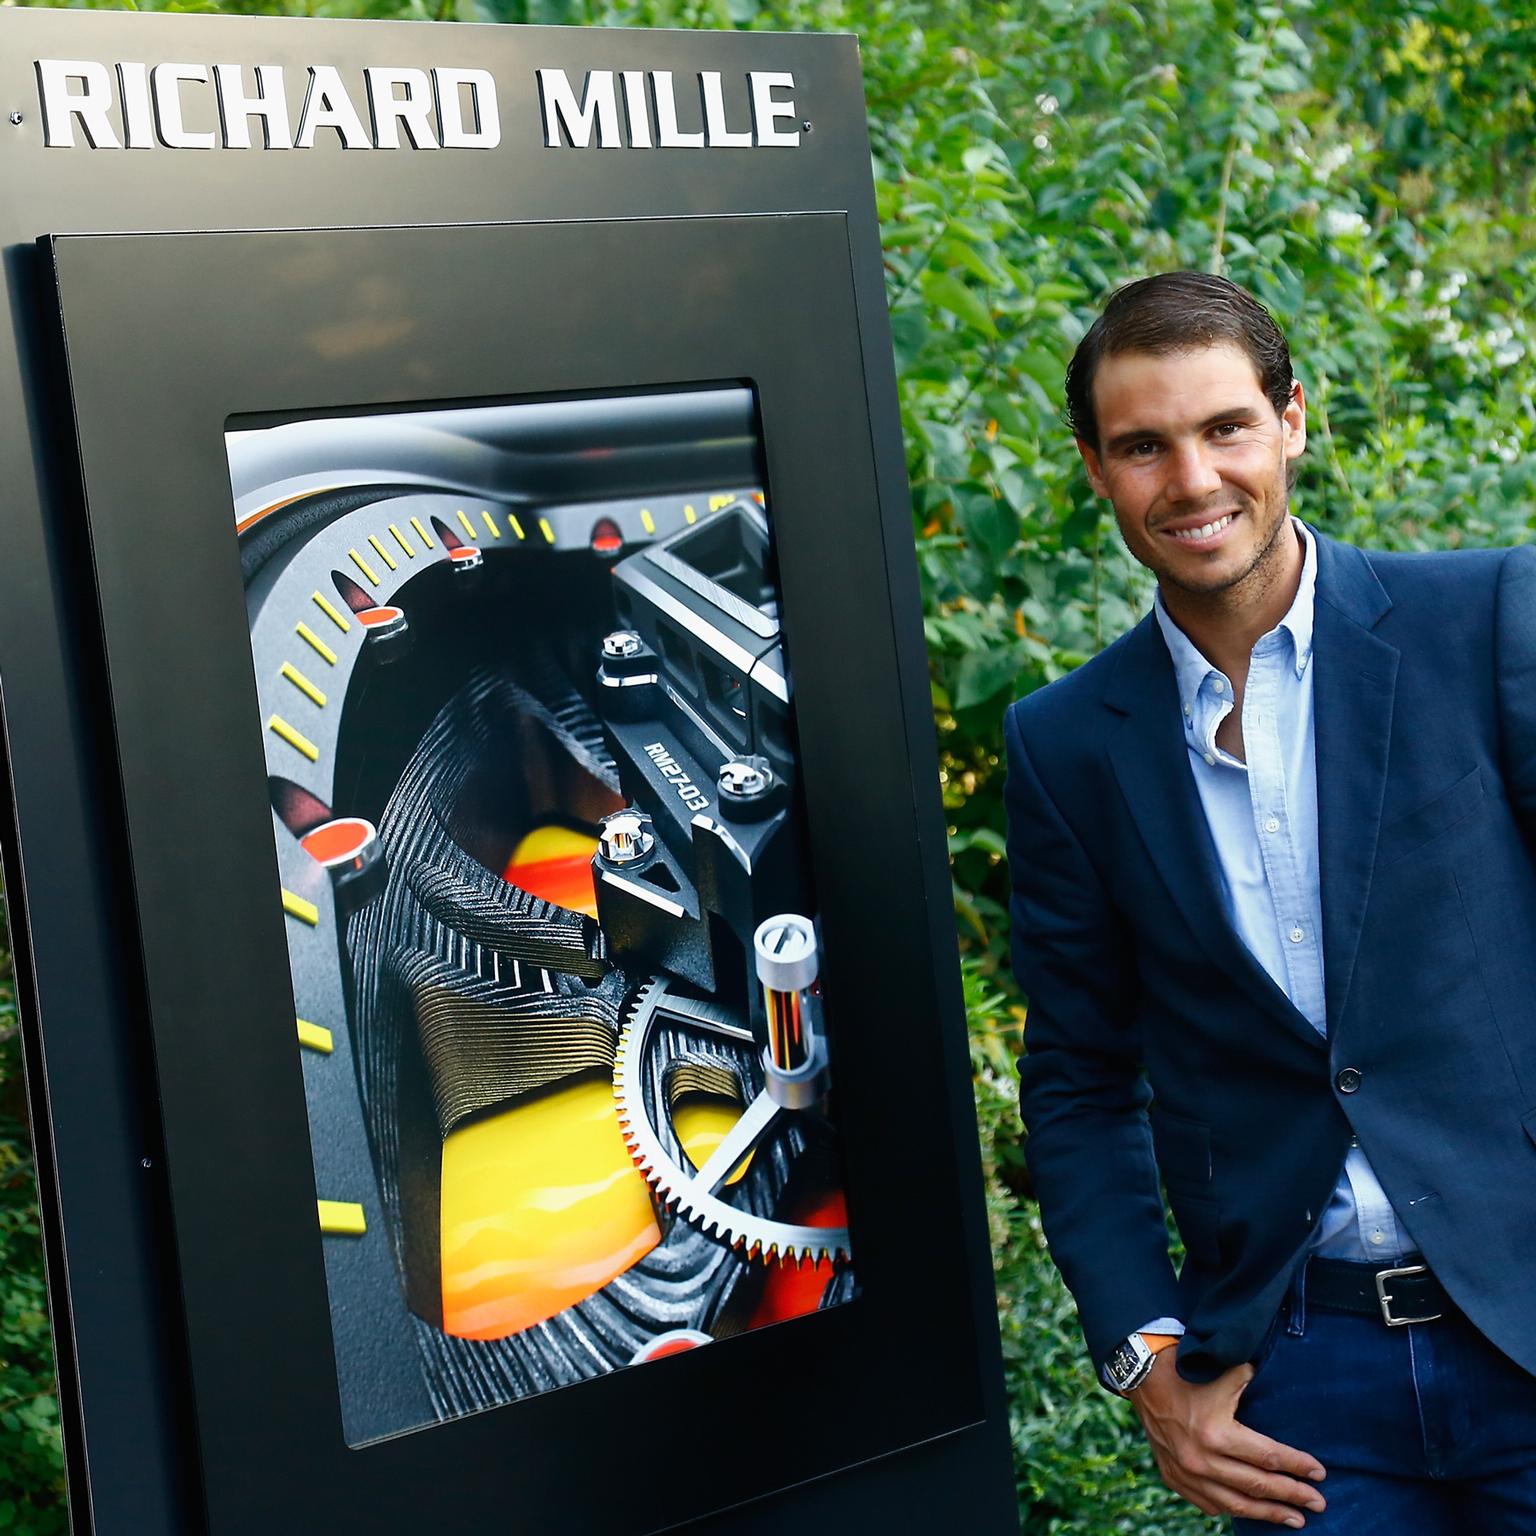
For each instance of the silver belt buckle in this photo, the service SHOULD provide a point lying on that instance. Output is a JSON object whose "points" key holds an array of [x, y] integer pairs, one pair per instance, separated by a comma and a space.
{"points": [[1382, 1276]]}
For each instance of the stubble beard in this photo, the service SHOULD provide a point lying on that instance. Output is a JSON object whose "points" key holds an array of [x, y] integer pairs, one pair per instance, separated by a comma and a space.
{"points": [[1248, 585]]}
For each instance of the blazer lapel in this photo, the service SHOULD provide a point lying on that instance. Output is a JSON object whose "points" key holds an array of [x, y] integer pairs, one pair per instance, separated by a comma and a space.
{"points": [[1354, 686], [1149, 758]]}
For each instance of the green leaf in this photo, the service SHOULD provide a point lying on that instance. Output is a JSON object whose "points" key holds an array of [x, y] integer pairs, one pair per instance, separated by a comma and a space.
{"points": [[985, 674], [946, 291]]}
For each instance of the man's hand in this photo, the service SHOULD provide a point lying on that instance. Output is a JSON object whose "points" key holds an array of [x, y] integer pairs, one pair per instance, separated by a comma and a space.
{"points": [[1207, 1457]]}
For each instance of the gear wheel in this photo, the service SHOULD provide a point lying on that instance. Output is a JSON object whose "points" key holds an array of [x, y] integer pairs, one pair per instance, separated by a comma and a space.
{"points": [[693, 1195]]}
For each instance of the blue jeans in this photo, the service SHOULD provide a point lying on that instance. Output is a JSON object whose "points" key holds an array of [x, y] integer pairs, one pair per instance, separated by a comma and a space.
{"points": [[1425, 1430]]}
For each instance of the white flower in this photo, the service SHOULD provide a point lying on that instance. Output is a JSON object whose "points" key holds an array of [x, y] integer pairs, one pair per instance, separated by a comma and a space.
{"points": [[1333, 157], [1042, 141], [1342, 221], [1047, 103], [1415, 281]]}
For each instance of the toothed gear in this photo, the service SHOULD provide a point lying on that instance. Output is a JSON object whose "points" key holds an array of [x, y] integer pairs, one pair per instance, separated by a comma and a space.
{"points": [[692, 1195]]}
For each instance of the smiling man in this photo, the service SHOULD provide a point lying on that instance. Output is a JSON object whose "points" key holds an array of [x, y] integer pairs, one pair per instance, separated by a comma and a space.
{"points": [[1274, 910]]}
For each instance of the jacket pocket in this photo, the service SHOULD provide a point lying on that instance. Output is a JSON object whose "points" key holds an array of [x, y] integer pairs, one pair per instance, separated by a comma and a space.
{"points": [[1407, 834]]}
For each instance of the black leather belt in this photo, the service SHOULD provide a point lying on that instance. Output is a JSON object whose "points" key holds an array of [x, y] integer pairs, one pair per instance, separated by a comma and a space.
{"points": [[1405, 1293]]}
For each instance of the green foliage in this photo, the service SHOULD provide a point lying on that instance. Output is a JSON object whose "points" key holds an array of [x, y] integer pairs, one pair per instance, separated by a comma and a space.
{"points": [[31, 1456], [1367, 169]]}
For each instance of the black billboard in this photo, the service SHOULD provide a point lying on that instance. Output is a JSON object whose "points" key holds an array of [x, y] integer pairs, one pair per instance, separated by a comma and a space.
{"points": [[476, 865]]}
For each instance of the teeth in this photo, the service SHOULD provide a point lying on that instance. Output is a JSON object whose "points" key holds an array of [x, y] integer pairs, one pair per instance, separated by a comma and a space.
{"points": [[1197, 535]]}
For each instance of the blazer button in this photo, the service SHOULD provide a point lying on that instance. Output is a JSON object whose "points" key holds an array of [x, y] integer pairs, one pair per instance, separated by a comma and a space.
{"points": [[1348, 1080]]}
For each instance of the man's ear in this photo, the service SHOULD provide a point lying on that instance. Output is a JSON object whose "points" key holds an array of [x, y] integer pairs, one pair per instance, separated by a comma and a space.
{"points": [[1095, 469], [1293, 422]]}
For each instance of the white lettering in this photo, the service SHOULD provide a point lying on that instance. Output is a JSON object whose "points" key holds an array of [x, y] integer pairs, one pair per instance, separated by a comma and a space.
{"points": [[61, 105], [165, 86], [720, 135], [138, 114], [636, 109], [327, 105], [766, 112], [687, 790], [483, 111], [236, 109], [568, 122], [667, 134], [389, 111]]}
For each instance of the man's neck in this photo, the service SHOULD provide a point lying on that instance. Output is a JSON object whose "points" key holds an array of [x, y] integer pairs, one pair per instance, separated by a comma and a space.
{"points": [[1224, 626]]}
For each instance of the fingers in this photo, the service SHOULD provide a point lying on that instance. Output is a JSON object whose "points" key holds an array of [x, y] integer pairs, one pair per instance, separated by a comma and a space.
{"points": [[1231, 1488], [1268, 1455], [1251, 1482]]}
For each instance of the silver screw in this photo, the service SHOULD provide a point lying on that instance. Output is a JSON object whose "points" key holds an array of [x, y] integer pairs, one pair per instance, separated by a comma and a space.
{"points": [[621, 643], [16, 119], [744, 779], [625, 837]]}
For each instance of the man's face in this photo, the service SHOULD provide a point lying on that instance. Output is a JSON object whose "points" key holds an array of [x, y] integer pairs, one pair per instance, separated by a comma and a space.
{"points": [[1193, 458]]}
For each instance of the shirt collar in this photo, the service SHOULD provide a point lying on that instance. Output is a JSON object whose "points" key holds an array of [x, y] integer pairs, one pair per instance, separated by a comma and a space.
{"points": [[1191, 668]]}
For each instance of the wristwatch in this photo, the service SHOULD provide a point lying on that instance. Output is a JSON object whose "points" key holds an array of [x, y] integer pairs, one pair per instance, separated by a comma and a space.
{"points": [[1131, 1363]]}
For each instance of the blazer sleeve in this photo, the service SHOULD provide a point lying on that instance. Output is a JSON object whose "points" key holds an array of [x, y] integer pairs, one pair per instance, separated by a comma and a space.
{"points": [[1082, 1093], [1514, 653]]}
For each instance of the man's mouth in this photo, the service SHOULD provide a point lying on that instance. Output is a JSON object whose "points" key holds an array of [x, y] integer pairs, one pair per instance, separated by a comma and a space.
{"points": [[1203, 533]]}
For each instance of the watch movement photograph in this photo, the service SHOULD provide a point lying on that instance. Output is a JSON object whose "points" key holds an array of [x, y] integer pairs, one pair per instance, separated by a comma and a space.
{"points": [[541, 853]]}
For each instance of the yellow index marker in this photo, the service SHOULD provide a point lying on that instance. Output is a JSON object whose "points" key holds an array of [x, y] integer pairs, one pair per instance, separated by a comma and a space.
{"points": [[296, 906], [315, 1037], [689, 514], [305, 633], [469, 527], [403, 542], [517, 527], [295, 739], [490, 522], [382, 553], [364, 567], [341, 1218], [646, 520], [546, 530], [422, 534], [716, 502], [333, 614], [303, 684]]}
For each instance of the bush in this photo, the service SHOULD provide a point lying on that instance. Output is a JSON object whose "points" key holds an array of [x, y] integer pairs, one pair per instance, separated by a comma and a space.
{"points": [[32, 1462], [1367, 169]]}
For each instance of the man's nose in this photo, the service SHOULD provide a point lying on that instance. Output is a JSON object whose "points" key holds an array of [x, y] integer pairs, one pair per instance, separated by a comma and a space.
{"points": [[1191, 474]]}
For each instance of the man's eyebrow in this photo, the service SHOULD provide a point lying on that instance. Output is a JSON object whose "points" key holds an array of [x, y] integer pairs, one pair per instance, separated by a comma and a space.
{"points": [[1143, 434]]}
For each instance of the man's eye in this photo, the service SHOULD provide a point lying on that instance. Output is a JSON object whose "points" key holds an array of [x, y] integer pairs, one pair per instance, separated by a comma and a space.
{"points": [[1142, 450], [1228, 428]]}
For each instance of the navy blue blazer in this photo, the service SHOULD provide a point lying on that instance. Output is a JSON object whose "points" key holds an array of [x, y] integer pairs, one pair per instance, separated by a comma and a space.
{"points": [[1157, 1045]]}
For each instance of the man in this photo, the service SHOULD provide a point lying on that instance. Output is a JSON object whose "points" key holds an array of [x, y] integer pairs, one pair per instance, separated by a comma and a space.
{"points": [[1275, 914]]}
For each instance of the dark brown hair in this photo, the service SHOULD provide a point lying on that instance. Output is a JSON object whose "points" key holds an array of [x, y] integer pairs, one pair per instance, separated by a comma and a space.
{"points": [[1174, 312]]}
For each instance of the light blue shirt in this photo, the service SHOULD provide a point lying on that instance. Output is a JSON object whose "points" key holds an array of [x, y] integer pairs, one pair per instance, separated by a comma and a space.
{"points": [[1263, 820]]}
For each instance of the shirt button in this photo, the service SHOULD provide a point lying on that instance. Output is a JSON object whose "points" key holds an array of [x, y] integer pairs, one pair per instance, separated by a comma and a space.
{"points": [[1210, 762], [1348, 1080], [1220, 685], [1378, 1237], [1273, 824], [1186, 709], [1296, 935]]}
